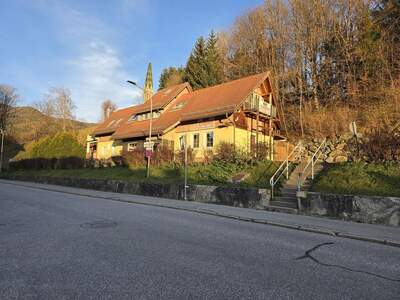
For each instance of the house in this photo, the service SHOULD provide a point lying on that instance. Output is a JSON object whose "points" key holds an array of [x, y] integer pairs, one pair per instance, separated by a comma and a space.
{"points": [[242, 112]]}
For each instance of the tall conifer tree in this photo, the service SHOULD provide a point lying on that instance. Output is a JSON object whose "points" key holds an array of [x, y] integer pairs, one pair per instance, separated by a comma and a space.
{"points": [[196, 67], [213, 58]]}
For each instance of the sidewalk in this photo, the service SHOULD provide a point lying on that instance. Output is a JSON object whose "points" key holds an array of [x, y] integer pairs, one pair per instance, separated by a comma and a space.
{"points": [[342, 229]]}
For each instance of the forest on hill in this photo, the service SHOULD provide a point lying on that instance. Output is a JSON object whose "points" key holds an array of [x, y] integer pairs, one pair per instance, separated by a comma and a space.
{"points": [[333, 61]]}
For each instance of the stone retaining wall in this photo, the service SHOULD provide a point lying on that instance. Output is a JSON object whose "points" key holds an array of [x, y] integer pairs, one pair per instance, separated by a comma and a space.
{"points": [[225, 195], [365, 209]]}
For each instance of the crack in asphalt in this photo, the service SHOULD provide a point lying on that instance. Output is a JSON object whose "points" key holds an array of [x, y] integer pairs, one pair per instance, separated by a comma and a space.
{"points": [[307, 255]]}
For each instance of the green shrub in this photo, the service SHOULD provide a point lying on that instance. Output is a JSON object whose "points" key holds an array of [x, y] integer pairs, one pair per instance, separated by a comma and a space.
{"points": [[63, 144], [41, 163], [134, 158], [228, 153]]}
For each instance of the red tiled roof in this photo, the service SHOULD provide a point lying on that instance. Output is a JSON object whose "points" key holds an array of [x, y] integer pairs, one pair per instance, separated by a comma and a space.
{"points": [[116, 119], [207, 102], [167, 119], [164, 96], [222, 98], [121, 116]]}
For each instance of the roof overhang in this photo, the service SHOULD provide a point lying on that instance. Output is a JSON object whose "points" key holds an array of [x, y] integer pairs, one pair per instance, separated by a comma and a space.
{"points": [[103, 132], [208, 113], [135, 134]]}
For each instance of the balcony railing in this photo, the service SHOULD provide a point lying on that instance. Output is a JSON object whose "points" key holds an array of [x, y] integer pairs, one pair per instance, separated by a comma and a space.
{"points": [[256, 103]]}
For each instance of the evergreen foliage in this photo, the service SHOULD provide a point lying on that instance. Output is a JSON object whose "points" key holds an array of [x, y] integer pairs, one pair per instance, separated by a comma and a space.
{"points": [[213, 58], [170, 76], [63, 144], [196, 67], [204, 67]]}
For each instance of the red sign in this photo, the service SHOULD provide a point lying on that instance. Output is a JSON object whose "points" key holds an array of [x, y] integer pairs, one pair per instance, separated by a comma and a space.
{"points": [[148, 153]]}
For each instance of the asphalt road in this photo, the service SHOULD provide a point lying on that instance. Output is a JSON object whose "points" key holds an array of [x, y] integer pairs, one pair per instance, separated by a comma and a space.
{"points": [[62, 246]]}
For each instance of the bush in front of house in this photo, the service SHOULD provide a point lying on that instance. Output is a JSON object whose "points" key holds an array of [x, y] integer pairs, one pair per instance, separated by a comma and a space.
{"points": [[63, 144], [134, 158], [163, 154], [190, 156], [227, 152], [41, 163]]}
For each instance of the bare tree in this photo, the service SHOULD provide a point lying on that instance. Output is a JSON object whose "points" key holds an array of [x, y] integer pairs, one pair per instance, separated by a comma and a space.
{"points": [[107, 108], [8, 100], [48, 109], [63, 105], [246, 45]]}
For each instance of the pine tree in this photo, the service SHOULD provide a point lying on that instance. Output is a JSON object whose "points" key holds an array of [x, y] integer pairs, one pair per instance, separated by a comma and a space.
{"points": [[204, 66], [214, 65], [196, 67]]}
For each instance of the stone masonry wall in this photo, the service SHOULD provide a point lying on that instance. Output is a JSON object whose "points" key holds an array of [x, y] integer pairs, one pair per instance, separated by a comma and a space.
{"points": [[365, 209], [225, 195]]}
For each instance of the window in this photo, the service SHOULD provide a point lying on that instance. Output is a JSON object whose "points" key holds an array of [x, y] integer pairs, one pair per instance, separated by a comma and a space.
{"points": [[182, 142], [133, 118], [179, 105], [196, 140], [132, 146], [210, 139]]}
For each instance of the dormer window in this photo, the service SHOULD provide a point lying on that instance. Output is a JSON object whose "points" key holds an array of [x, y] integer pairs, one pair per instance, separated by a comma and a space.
{"points": [[133, 118], [144, 116], [179, 105]]}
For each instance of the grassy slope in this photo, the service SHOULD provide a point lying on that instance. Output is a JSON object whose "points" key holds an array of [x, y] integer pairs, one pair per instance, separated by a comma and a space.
{"points": [[213, 174], [361, 179]]}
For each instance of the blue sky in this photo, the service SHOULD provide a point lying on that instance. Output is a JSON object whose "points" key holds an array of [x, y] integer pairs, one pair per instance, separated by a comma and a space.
{"points": [[93, 47]]}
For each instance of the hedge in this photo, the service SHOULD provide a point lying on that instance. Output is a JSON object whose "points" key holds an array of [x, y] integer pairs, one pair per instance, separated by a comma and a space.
{"points": [[63, 144]]}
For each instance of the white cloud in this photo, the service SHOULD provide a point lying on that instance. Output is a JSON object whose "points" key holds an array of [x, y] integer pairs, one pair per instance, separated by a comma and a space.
{"points": [[98, 74], [94, 70]]}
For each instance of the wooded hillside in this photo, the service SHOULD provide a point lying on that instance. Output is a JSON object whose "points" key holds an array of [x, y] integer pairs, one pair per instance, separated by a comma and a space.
{"points": [[29, 124], [334, 62]]}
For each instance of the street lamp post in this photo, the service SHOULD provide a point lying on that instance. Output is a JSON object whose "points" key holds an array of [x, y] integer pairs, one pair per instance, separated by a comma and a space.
{"points": [[2, 149], [150, 126]]}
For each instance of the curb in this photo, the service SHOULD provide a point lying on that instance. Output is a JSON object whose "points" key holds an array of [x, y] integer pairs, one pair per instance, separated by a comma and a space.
{"points": [[227, 216]]}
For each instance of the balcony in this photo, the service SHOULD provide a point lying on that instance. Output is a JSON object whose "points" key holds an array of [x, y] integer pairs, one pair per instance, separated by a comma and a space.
{"points": [[256, 103]]}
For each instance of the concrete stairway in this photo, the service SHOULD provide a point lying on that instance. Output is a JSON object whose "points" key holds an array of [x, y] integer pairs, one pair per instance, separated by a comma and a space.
{"points": [[287, 200]]}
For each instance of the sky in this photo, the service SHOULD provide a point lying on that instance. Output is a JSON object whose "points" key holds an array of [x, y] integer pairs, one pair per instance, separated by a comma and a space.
{"points": [[93, 46]]}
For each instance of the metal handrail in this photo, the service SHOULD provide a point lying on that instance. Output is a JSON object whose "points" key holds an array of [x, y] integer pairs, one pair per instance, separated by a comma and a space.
{"points": [[313, 160], [284, 167]]}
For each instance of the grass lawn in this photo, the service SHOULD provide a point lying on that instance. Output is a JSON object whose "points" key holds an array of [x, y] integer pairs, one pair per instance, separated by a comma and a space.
{"points": [[216, 173], [380, 179]]}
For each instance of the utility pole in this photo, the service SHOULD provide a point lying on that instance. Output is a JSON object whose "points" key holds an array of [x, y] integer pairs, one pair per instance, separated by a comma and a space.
{"points": [[151, 121], [2, 149]]}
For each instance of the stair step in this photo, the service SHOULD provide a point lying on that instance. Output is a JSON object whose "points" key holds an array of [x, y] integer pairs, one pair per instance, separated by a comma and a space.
{"points": [[281, 209], [283, 204], [289, 195], [284, 198], [289, 190]]}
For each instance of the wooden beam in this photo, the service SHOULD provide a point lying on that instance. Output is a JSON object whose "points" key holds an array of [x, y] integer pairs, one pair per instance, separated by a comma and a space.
{"points": [[258, 123]]}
